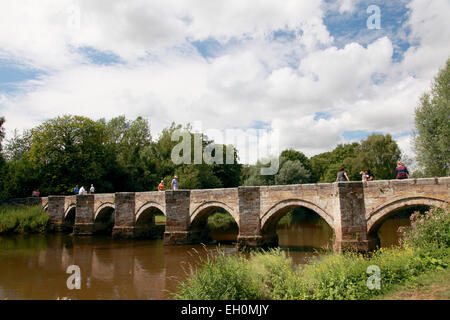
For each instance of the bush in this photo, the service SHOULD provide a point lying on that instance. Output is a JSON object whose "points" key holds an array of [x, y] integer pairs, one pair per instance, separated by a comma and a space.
{"points": [[23, 219], [222, 278], [429, 229]]}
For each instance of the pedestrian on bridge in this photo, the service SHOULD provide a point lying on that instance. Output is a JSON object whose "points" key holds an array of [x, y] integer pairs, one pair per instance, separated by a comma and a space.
{"points": [[367, 175], [161, 186], [175, 183], [342, 175], [82, 191], [401, 172]]}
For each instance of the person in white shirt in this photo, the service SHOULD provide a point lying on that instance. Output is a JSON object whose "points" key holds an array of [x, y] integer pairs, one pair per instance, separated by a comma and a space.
{"points": [[82, 191], [92, 189]]}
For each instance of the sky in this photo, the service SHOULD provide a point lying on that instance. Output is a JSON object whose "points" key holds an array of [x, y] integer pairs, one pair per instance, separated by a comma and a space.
{"points": [[318, 73]]}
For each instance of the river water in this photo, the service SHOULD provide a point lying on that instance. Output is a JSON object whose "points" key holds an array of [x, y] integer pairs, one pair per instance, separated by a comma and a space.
{"points": [[34, 266]]}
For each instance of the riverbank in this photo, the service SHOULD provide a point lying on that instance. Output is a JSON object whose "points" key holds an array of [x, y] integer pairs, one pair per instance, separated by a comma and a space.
{"points": [[349, 276], [429, 286], [23, 219]]}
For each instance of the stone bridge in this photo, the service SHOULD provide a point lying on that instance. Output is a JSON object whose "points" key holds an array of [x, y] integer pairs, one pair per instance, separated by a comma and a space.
{"points": [[354, 210]]}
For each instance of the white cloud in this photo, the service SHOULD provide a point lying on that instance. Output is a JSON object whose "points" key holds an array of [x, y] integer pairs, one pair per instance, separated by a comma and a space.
{"points": [[282, 83], [346, 6]]}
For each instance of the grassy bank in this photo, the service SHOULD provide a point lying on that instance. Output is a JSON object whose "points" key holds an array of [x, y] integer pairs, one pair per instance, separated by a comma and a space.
{"points": [[429, 286], [23, 219], [272, 275]]}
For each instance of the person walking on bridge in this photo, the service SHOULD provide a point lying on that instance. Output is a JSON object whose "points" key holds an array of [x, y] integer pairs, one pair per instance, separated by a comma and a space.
{"points": [[342, 175], [401, 172], [82, 191], [175, 183], [161, 186], [366, 176]]}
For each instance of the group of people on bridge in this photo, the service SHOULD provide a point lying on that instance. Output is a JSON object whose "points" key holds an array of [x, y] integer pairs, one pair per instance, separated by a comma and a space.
{"points": [[82, 191], [401, 172], [173, 184]]}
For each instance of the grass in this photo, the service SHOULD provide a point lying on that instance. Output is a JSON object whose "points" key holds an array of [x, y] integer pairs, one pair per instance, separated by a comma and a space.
{"points": [[429, 286], [23, 219], [348, 276]]}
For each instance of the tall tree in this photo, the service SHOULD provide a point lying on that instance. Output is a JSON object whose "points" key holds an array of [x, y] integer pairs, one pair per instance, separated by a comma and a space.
{"points": [[19, 144], [2, 131], [66, 151], [326, 165], [292, 172], [2, 135], [131, 143], [432, 131], [294, 155], [379, 153]]}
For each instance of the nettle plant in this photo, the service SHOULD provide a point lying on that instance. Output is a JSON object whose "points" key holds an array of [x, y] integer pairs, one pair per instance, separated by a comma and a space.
{"points": [[431, 228]]}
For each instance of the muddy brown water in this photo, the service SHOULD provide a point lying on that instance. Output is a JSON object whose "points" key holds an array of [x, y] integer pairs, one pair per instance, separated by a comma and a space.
{"points": [[34, 266]]}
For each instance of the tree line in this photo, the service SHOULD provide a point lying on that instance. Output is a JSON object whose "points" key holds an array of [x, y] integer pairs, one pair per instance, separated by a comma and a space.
{"points": [[121, 155]]}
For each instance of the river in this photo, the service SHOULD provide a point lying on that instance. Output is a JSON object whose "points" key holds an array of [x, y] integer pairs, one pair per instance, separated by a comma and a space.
{"points": [[34, 266]]}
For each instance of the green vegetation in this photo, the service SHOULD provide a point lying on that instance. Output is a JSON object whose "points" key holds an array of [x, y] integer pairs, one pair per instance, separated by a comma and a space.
{"points": [[23, 219], [432, 133], [119, 155], [429, 229], [272, 274], [221, 222], [428, 286], [160, 219], [297, 216], [378, 152]]}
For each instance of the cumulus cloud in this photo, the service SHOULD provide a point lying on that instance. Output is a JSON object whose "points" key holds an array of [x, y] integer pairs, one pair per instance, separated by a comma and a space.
{"points": [[256, 76]]}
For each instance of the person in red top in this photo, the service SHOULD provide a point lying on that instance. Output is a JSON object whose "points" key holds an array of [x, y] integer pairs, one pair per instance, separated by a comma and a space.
{"points": [[161, 186], [37, 193]]}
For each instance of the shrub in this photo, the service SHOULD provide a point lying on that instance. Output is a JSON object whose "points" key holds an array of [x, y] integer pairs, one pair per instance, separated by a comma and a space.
{"points": [[23, 219], [429, 229], [222, 278]]}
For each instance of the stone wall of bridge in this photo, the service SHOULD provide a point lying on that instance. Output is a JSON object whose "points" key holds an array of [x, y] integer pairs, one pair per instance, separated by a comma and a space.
{"points": [[354, 210], [382, 198]]}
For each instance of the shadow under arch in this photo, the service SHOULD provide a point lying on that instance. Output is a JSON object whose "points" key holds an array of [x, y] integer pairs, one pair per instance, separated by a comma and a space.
{"points": [[223, 230], [145, 223], [104, 219], [384, 213], [270, 219], [69, 218]]}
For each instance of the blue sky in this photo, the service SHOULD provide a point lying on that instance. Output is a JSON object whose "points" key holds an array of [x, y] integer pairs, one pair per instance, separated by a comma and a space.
{"points": [[310, 69]]}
